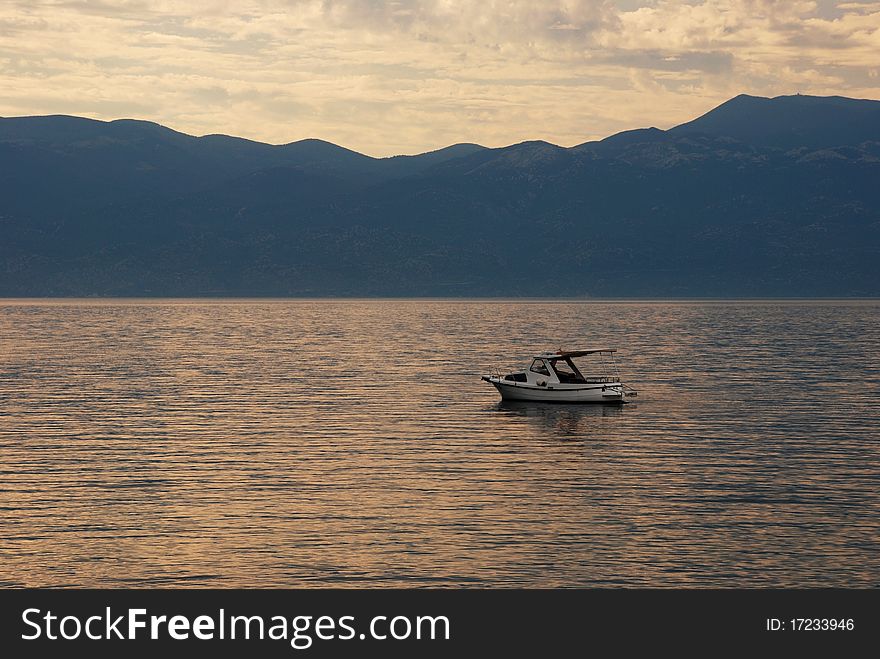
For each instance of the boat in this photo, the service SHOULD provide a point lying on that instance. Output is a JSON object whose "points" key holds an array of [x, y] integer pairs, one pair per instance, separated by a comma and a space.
{"points": [[555, 377]]}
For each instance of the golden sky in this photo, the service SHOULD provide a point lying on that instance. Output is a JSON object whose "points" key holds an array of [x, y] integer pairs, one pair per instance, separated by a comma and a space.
{"points": [[385, 77]]}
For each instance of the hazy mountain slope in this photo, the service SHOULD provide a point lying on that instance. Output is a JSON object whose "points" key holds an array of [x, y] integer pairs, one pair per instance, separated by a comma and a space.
{"points": [[758, 197]]}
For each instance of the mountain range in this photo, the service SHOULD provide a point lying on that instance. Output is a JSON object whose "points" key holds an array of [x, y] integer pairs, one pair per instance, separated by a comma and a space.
{"points": [[758, 197]]}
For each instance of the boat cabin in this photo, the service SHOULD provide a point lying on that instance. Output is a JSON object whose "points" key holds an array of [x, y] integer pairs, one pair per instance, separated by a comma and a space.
{"points": [[549, 368]]}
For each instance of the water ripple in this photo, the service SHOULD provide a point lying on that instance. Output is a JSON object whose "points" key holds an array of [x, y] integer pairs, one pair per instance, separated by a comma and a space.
{"points": [[351, 443]]}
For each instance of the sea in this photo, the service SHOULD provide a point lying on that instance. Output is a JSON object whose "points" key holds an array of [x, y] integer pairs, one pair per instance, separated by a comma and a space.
{"points": [[351, 443]]}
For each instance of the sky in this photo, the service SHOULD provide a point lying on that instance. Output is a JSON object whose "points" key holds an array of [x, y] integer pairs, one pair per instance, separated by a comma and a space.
{"points": [[386, 77]]}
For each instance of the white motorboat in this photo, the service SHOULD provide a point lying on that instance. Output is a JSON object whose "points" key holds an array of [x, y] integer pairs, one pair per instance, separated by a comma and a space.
{"points": [[555, 377]]}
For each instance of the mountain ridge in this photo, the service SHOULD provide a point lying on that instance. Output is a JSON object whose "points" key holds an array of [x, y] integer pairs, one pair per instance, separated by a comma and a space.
{"points": [[703, 124], [735, 202]]}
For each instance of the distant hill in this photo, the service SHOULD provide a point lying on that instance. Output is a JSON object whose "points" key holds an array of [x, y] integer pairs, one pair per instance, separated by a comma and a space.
{"points": [[790, 121], [759, 197]]}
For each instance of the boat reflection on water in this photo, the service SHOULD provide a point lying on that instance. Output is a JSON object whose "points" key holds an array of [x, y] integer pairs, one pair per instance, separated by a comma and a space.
{"points": [[570, 421]]}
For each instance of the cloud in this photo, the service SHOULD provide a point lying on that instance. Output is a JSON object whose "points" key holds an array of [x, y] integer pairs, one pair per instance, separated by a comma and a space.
{"points": [[400, 77]]}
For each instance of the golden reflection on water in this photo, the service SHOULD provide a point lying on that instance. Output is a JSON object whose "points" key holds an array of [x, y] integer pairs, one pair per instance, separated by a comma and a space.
{"points": [[351, 443]]}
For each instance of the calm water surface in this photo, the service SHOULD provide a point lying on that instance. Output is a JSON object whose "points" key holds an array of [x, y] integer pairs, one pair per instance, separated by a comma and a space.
{"points": [[352, 443]]}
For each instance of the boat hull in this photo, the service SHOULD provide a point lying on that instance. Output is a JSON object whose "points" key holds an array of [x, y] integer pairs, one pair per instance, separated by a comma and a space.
{"points": [[611, 392]]}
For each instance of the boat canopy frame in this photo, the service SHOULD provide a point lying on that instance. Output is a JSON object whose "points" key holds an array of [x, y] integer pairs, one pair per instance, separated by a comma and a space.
{"points": [[561, 354], [610, 371]]}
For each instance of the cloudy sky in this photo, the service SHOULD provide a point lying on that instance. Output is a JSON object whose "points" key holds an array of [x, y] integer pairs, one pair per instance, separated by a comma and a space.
{"points": [[386, 77]]}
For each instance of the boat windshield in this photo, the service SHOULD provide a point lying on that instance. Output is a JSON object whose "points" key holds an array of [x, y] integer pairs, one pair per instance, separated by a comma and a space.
{"points": [[539, 366]]}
